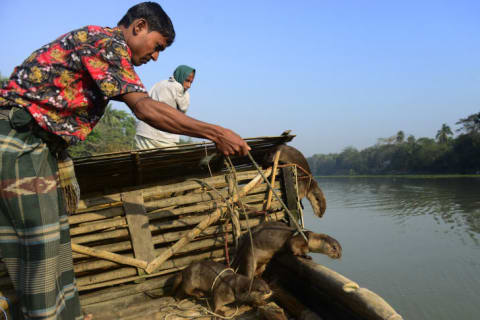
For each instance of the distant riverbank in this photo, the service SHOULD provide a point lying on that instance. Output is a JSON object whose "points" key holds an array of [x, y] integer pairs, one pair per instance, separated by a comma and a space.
{"points": [[404, 176]]}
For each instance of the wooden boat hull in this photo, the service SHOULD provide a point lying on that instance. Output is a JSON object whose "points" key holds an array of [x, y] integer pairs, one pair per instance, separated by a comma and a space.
{"points": [[327, 293], [138, 206]]}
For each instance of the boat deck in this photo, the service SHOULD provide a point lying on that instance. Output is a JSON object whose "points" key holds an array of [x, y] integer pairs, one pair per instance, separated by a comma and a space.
{"points": [[167, 308]]}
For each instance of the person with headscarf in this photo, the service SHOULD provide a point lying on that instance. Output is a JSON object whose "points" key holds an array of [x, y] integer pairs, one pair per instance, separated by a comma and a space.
{"points": [[173, 92]]}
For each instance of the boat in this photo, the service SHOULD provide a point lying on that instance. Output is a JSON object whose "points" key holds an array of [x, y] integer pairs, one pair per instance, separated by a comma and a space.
{"points": [[145, 215]]}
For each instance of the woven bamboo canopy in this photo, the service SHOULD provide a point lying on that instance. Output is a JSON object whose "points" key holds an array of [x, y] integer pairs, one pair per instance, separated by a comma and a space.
{"points": [[108, 173]]}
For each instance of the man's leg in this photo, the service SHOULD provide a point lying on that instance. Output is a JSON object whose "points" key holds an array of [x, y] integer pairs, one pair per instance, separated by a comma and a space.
{"points": [[34, 231]]}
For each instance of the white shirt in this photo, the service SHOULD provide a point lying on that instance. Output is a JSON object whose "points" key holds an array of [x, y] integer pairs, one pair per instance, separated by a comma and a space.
{"points": [[172, 93]]}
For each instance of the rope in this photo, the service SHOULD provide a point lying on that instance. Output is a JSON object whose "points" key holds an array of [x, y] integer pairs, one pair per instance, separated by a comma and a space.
{"points": [[198, 308], [208, 161], [299, 206], [229, 208], [307, 175], [218, 276], [277, 197], [232, 168]]}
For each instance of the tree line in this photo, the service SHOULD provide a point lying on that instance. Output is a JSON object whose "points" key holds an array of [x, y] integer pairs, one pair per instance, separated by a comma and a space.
{"points": [[399, 155]]}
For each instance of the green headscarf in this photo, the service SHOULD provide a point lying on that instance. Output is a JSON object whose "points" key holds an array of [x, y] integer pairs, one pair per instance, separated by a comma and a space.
{"points": [[182, 72]]}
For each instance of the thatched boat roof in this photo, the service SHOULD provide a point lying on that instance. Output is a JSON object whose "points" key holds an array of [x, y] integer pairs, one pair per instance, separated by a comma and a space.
{"points": [[107, 173]]}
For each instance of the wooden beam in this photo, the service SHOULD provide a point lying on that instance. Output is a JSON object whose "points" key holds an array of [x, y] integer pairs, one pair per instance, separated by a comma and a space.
{"points": [[138, 226]]}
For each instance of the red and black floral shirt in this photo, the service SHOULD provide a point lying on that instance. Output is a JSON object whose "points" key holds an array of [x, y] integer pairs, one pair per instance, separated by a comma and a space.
{"points": [[66, 84]]}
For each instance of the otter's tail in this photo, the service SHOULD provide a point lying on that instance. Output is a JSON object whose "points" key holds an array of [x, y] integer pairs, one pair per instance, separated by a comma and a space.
{"points": [[316, 198]]}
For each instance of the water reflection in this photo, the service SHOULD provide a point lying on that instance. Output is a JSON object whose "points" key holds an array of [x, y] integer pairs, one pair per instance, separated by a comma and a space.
{"points": [[415, 242], [454, 203]]}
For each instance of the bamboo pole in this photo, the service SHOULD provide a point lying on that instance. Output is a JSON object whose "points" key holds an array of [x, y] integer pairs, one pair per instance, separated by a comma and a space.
{"points": [[160, 239], [193, 198], [270, 191], [165, 237], [118, 234], [90, 226], [213, 242], [215, 181], [108, 295], [131, 271], [153, 265], [155, 192], [134, 278], [96, 215], [105, 204], [109, 211], [206, 205], [213, 233], [109, 256], [105, 235]]}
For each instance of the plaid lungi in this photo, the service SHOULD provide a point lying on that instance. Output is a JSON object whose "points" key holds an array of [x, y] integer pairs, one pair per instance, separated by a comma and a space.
{"points": [[34, 231]]}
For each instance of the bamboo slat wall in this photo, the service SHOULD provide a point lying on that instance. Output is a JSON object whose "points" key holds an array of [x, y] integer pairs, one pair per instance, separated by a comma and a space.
{"points": [[114, 171], [171, 210]]}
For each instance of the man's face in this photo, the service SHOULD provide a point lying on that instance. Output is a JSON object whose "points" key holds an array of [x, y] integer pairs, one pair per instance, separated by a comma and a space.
{"points": [[145, 45]]}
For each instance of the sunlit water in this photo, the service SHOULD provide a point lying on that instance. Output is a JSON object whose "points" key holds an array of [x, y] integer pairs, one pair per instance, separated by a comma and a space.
{"points": [[415, 242]]}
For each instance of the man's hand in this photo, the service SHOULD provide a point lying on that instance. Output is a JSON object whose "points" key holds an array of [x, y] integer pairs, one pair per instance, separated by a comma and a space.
{"points": [[230, 143], [163, 117]]}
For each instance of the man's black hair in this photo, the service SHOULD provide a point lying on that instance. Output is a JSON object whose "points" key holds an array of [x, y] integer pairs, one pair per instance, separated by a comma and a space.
{"points": [[156, 18]]}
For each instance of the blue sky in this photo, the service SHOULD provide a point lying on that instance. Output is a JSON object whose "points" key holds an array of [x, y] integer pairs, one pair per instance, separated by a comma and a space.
{"points": [[337, 73]]}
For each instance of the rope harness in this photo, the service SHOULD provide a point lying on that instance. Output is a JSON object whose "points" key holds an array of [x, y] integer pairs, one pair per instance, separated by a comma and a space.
{"points": [[218, 276], [242, 206]]}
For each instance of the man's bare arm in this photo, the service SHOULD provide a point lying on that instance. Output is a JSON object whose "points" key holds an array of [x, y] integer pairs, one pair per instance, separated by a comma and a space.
{"points": [[161, 116]]}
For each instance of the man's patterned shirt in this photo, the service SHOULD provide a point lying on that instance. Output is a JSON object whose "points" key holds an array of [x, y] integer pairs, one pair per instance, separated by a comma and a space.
{"points": [[66, 84]]}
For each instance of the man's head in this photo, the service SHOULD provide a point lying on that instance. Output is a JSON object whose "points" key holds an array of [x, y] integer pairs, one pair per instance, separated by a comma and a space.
{"points": [[147, 30]]}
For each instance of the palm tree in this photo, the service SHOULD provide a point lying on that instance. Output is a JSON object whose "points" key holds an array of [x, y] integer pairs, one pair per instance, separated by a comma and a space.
{"points": [[400, 137], [443, 134], [110, 117]]}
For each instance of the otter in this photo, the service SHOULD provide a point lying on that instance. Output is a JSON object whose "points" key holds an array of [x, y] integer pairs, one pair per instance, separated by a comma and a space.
{"points": [[208, 277], [271, 237], [307, 186]]}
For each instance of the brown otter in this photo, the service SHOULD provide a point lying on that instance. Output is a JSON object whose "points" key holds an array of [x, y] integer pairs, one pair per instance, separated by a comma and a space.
{"points": [[271, 237], [307, 186], [204, 277]]}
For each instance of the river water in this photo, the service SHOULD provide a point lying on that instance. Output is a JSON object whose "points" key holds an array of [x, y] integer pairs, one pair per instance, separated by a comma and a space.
{"points": [[415, 242]]}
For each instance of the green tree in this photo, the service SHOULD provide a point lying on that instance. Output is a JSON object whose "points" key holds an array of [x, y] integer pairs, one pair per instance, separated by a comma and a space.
{"points": [[470, 124], [114, 132], [185, 140], [2, 80], [411, 139], [400, 137], [444, 134]]}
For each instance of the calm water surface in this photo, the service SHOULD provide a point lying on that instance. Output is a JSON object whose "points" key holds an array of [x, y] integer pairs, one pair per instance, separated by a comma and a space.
{"points": [[415, 242]]}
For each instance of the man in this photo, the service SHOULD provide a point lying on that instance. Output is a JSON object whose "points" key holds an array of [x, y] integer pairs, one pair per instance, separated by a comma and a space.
{"points": [[173, 92], [54, 99]]}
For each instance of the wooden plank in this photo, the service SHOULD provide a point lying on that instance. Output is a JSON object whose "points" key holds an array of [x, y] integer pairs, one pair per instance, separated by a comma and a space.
{"points": [[138, 226], [290, 193]]}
